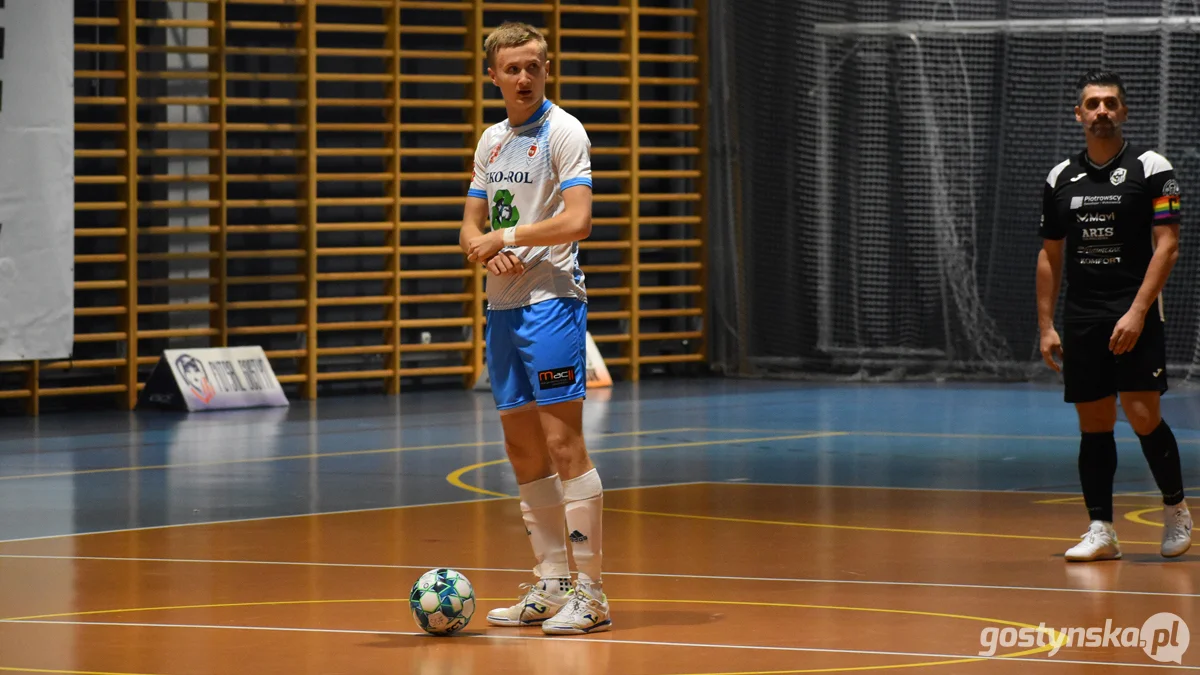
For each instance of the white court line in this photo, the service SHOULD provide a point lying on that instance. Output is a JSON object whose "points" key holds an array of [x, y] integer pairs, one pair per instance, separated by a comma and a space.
{"points": [[705, 577], [481, 498], [486, 498], [560, 638]]}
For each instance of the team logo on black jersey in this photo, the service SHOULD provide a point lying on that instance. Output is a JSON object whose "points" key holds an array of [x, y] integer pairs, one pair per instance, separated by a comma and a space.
{"points": [[1170, 188], [1117, 176]]}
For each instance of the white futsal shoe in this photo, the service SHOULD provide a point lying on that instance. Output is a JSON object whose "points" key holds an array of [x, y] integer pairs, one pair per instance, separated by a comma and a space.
{"points": [[586, 612], [536, 603], [1177, 530], [1099, 543]]}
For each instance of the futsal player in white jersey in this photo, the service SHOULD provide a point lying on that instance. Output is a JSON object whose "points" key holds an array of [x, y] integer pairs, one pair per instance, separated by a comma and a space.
{"points": [[533, 181]]}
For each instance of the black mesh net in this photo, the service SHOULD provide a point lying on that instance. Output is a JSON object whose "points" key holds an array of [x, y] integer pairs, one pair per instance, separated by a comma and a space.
{"points": [[891, 172]]}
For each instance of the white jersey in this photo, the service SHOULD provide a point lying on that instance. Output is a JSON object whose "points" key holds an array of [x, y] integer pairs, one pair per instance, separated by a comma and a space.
{"points": [[521, 172]]}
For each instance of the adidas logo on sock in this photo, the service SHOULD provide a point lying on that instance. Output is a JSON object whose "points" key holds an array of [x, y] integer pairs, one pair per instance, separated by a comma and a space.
{"points": [[578, 537]]}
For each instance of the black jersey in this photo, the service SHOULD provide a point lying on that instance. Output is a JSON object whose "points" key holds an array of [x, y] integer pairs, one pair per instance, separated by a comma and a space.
{"points": [[1106, 213]]}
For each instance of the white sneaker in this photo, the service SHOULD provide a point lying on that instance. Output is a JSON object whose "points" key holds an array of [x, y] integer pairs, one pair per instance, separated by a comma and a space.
{"points": [[1099, 543], [1177, 530], [584, 613], [536, 603]]}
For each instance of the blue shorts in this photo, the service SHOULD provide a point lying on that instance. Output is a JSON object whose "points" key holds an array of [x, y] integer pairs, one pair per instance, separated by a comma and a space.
{"points": [[537, 353]]}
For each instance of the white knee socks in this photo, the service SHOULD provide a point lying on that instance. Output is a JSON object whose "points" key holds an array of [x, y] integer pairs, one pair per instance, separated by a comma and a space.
{"points": [[584, 506], [545, 504], [543, 512]]}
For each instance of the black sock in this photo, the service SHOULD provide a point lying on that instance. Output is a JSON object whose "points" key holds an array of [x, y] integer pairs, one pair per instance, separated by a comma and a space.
{"points": [[1162, 452], [1097, 466]]}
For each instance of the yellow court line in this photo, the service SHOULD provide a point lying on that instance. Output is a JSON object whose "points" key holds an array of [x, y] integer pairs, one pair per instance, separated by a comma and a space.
{"points": [[1136, 516], [848, 669], [1073, 500], [481, 444], [311, 455], [1009, 437], [1144, 493], [1078, 499], [861, 528], [455, 477], [1054, 636], [1132, 516], [891, 666], [3, 669], [934, 434]]}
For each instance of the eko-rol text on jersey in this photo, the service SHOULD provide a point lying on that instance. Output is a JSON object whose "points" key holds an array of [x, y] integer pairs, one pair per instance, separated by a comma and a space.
{"points": [[1106, 214], [522, 172]]}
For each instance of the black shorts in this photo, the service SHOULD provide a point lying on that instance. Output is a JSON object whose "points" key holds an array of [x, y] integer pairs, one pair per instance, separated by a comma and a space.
{"points": [[1091, 371]]}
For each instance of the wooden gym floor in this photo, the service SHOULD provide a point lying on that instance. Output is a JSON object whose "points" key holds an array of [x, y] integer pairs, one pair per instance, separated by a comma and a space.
{"points": [[751, 527]]}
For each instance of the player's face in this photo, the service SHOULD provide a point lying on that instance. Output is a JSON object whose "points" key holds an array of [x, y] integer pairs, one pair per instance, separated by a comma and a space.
{"points": [[520, 72], [1101, 111]]}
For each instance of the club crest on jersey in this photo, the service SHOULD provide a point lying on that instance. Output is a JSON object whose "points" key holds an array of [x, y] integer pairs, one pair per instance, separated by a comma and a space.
{"points": [[1117, 176], [532, 150]]}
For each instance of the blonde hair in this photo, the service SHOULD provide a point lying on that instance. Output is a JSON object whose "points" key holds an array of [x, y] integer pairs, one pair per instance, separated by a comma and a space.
{"points": [[513, 34]]}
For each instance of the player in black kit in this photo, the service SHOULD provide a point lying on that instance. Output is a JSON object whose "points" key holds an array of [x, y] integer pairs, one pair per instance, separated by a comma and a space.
{"points": [[1113, 211]]}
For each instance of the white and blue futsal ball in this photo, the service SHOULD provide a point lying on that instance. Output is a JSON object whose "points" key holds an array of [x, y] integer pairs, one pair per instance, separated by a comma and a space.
{"points": [[442, 601]]}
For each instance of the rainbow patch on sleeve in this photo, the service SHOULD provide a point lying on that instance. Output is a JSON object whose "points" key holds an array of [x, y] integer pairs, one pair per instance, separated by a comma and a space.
{"points": [[1166, 207]]}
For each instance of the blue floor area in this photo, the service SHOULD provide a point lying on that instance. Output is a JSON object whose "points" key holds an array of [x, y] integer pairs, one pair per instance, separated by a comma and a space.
{"points": [[64, 474]]}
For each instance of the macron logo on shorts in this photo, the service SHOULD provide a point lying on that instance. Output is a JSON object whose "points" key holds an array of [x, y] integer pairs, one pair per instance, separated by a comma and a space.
{"points": [[559, 377]]}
